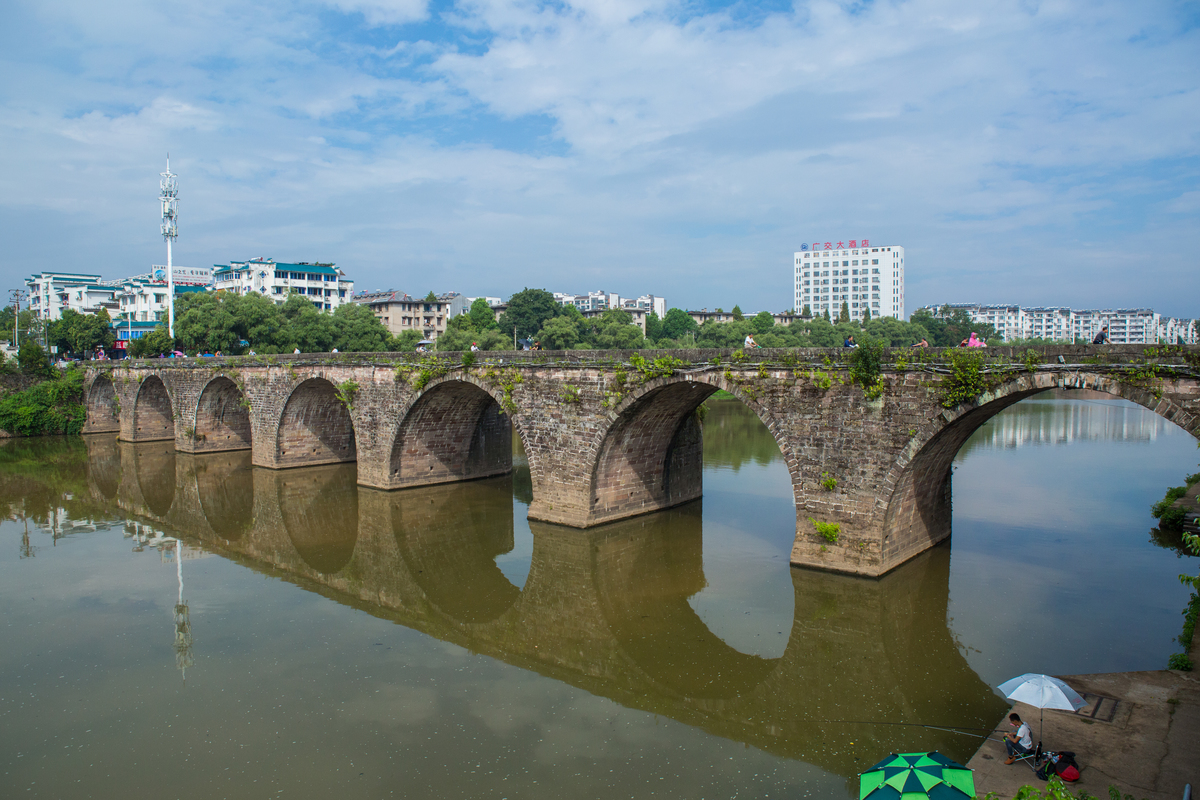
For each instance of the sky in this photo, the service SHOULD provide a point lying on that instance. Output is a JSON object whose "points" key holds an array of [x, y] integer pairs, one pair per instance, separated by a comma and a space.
{"points": [[1041, 153]]}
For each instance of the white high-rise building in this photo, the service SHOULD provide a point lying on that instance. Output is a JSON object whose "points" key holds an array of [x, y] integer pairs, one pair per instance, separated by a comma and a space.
{"points": [[864, 277]]}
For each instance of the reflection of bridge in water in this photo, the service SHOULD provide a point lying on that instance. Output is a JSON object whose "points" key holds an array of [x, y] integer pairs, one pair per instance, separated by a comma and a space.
{"points": [[605, 610]]}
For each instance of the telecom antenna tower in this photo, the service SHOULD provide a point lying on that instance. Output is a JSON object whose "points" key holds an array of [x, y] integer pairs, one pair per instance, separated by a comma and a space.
{"points": [[169, 195]]}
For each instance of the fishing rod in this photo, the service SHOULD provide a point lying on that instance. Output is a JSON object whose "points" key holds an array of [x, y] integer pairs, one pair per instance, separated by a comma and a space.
{"points": [[962, 729]]}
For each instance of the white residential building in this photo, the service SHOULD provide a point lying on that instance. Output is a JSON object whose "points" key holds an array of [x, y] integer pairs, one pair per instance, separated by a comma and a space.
{"points": [[1125, 325], [145, 300], [602, 301], [324, 285], [51, 293], [864, 277]]}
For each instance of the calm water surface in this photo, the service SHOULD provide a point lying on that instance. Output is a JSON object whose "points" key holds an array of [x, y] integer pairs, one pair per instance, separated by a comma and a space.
{"points": [[317, 639]]}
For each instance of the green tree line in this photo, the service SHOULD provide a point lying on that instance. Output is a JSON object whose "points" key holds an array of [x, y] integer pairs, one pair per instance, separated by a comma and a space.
{"points": [[212, 322]]}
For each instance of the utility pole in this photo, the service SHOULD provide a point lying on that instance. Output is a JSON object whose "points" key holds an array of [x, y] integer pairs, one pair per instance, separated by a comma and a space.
{"points": [[169, 195], [16, 295]]}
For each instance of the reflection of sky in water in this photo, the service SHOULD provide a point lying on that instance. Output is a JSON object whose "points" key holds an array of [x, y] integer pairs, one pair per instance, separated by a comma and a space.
{"points": [[1052, 570], [749, 527]]}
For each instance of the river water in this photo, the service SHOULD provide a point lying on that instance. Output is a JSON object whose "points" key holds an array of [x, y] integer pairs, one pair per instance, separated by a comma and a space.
{"points": [[193, 627]]}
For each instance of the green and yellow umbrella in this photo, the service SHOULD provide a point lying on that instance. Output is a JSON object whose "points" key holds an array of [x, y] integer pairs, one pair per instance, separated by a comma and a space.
{"points": [[914, 776]]}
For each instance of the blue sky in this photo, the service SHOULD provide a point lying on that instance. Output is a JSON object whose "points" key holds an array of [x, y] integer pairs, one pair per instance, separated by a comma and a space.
{"points": [[1043, 153]]}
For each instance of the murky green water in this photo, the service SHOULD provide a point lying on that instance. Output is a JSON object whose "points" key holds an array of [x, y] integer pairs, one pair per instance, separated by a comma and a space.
{"points": [[319, 640]]}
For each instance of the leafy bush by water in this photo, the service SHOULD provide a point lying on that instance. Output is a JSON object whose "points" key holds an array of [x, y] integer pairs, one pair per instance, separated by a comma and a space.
{"points": [[1170, 516], [51, 407]]}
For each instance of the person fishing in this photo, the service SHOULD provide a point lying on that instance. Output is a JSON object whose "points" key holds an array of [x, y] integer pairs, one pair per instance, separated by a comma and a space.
{"points": [[1018, 742]]}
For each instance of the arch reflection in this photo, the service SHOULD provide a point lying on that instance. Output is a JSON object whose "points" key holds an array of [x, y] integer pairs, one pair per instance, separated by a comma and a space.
{"points": [[319, 509], [225, 491], [645, 570], [449, 536], [152, 466], [104, 465]]}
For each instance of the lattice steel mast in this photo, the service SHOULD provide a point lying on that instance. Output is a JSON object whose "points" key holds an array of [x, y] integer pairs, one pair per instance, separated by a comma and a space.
{"points": [[169, 195]]}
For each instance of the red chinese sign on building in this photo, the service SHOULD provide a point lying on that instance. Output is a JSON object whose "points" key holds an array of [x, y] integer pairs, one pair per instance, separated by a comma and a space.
{"points": [[855, 243]]}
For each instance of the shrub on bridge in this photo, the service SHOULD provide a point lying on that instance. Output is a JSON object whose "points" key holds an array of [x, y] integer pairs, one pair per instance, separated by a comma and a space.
{"points": [[966, 380]]}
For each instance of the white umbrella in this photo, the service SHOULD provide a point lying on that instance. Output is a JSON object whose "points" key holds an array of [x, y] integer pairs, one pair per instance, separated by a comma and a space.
{"points": [[1042, 691]]}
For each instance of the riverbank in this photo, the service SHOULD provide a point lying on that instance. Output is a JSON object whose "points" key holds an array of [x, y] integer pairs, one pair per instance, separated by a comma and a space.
{"points": [[1140, 733]]}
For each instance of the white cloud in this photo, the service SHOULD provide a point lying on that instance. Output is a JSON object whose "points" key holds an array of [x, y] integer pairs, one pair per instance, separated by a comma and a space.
{"points": [[384, 12]]}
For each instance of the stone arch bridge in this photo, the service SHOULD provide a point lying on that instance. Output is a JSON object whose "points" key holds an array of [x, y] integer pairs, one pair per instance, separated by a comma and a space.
{"points": [[614, 434]]}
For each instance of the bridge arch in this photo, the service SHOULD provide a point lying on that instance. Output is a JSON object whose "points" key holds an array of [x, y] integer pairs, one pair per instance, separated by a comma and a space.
{"points": [[650, 454], [103, 410], [454, 430], [153, 411], [315, 427], [222, 420], [918, 511]]}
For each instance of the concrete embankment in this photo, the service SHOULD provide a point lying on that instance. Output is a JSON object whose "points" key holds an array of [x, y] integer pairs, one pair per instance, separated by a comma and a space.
{"points": [[1140, 732]]}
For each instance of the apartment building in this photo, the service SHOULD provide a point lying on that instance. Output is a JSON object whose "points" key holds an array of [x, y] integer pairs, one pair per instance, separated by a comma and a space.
{"points": [[51, 293], [1059, 323], [827, 274], [401, 312], [324, 285], [600, 301]]}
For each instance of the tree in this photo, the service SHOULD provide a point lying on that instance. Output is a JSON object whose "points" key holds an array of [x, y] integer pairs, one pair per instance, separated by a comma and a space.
{"points": [[762, 322], [826, 315], [357, 330], [307, 328], [615, 331], [7, 318], [258, 321], [654, 327], [844, 314], [32, 358], [154, 343], [807, 312], [204, 323], [678, 323], [90, 331], [30, 324], [431, 297], [528, 311], [481, 315], [737, 313], [559, 333], [866, 315], [406, 342]]}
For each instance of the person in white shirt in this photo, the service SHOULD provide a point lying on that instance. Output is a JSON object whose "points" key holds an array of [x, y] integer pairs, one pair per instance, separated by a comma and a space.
{"points": [[1019, 742]]}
